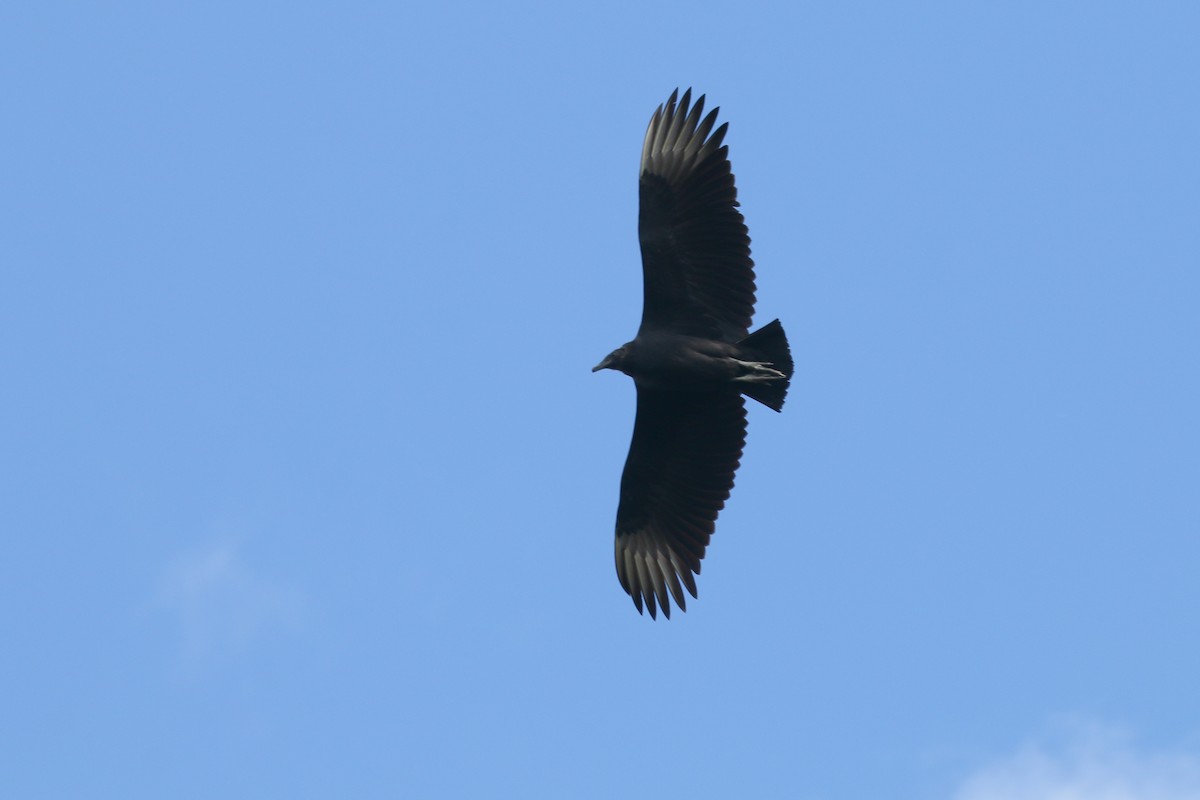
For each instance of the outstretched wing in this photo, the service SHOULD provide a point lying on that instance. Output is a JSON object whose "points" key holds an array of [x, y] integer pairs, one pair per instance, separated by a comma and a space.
{"points": [[696, 267], [686, 447]]}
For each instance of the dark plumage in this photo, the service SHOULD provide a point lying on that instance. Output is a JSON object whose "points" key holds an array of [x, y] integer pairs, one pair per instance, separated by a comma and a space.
{"points": [[693, 357]]}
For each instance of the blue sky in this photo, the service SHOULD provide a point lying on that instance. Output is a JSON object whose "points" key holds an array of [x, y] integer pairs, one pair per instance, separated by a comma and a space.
{"points": [[308, 489]]}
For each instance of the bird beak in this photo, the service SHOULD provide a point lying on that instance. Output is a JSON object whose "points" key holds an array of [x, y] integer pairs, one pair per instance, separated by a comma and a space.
{"points": [[605, 364]]}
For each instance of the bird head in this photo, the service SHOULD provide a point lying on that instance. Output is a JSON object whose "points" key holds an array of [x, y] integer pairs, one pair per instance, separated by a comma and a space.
{"points": [[613, 360]]}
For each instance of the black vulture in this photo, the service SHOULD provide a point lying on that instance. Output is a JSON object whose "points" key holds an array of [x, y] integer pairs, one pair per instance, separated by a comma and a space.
{"points": [[693, 357]]}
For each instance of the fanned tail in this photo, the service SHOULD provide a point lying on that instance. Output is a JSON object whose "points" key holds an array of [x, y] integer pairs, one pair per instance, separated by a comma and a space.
{"points": [[769, 343]]}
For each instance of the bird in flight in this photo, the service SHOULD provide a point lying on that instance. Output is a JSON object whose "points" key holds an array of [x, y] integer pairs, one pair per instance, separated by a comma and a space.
{"points": [[693, 357]]}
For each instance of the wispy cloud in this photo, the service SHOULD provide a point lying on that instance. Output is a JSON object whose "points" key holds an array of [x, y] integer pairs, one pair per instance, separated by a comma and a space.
{"points": [[1087, 761], [221, 605]]}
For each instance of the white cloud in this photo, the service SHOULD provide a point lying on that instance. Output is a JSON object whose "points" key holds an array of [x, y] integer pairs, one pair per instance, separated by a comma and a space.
{"points": [[1092, 762], [221, 605]]}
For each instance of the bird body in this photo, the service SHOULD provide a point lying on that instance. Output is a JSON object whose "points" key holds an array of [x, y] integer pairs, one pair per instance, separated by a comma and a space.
{"points": [[663, 360], [693, 357], [660, 359]]}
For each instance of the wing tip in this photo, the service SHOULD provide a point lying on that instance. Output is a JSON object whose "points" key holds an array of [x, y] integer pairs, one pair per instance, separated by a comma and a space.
{"points": [[654, 581]]}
